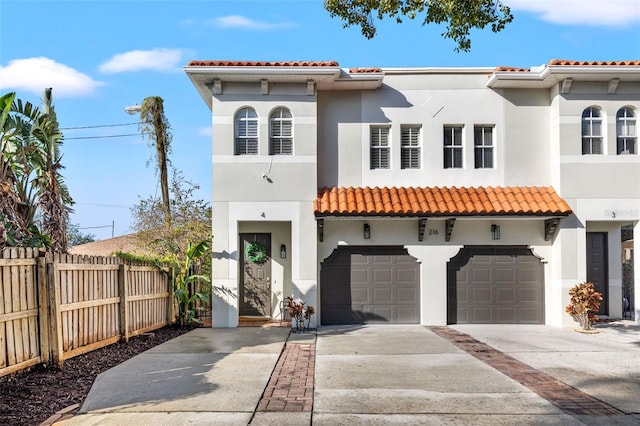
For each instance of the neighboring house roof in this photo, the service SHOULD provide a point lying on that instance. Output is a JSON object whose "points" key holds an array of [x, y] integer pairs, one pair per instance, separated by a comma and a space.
{"points": [[435, 201], [124, 243]]}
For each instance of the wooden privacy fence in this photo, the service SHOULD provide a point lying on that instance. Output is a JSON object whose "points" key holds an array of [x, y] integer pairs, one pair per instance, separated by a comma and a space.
{"points": [[55, 306]]}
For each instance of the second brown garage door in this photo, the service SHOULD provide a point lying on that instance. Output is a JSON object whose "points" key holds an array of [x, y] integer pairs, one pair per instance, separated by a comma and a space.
{"points": [[495, 285], [370, 285]]}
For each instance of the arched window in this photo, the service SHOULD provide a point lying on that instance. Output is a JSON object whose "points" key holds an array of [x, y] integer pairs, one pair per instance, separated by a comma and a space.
{"points": [[281, 132], [591, 131], [246, 128], [627, 140]]}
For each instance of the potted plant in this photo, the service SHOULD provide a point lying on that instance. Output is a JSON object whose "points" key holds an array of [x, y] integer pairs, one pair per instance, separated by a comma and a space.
{"points": [[299, 313], [584, 306]]}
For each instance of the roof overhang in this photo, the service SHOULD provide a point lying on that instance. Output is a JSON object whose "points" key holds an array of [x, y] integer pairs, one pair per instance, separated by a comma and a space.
{"points": [[323, 77], [547, 76]]}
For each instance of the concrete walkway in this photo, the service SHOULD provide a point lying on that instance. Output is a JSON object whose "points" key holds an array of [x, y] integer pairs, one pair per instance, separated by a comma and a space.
{"points": [[459, 375]]}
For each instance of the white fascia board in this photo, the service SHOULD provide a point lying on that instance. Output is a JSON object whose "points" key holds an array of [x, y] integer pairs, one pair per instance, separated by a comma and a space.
{"points": [[439, 70], [550, 75], [226, 71]]}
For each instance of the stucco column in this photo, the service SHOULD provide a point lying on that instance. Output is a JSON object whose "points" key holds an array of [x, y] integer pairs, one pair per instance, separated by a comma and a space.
{"points": [[636, 274]]}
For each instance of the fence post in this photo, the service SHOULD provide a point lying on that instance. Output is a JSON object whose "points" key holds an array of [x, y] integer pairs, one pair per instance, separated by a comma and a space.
{"points": [[172, 304], [124, 312], [55, 317], [43, 308]]}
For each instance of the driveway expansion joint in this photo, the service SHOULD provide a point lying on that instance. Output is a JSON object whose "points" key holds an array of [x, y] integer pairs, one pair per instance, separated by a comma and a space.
{"points": [[567, 398]]}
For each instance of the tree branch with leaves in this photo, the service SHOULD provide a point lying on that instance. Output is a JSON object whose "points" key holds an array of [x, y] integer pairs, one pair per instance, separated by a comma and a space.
{"points": [[459, 16]]}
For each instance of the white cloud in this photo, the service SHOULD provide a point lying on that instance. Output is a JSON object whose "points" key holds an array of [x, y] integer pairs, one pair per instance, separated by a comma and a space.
{"points": [[165, 60], [244, 23], [36, 74], [205, 131], [589, 12]]}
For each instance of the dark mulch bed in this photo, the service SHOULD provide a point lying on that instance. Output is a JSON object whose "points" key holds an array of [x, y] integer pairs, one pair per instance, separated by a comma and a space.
{"points": [[31, 397]]}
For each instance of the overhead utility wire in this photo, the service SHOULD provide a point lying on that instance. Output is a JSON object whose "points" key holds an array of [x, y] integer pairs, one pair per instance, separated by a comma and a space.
{"points": [[97, 126], [101, 137]]}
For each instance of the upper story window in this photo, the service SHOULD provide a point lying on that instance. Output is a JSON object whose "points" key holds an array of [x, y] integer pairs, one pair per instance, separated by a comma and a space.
{"points": [[452, 147], [281, 132], [483, 147], [591, 131], [410, 147], [246, 129], [379, 147], [626, 131]]}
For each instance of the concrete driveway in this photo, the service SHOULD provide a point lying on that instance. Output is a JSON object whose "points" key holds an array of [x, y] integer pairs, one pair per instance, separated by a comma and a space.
{"points": [[459, 375]]}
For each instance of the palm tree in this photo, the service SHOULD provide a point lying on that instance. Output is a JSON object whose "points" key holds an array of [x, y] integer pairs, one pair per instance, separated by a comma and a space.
{"points": [[155, 125], [54, 199], [29, 175]]}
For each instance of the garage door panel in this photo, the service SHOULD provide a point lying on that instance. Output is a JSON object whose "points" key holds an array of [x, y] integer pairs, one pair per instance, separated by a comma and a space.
{"points": [[529, 295], [407, 295], [505, 286], [480, 313], [359, 274], [382, 284], [528, 315], [505, 295], [405, 275], [382, 276], [407, 315], [480, 295], [504, 315], [383, 296], [503, 275], [480, 275]]}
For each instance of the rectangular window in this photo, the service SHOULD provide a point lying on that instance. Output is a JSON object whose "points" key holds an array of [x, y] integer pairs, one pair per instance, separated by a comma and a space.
{"points": [[452, 147], [410, 147], [591, 136], [246, 136], [626, 130], [379, 149], [281, 137], [483, 147]]}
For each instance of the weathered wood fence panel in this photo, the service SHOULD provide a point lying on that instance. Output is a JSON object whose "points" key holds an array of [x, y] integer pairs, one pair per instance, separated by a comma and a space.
{"points": [[56, 306], [19, 328]]}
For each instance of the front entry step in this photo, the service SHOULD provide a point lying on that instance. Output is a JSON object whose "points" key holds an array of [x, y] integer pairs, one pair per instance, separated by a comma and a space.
{"points": [[250, 321]]}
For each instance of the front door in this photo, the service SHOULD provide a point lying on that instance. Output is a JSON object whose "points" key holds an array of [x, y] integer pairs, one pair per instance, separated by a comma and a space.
{"points": [[597, 266], [255, 277]]}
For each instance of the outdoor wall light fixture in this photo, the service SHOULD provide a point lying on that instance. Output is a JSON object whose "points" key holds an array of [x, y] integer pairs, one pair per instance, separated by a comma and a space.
{"points": [[283, 251], [366, 231], [495, 232]]}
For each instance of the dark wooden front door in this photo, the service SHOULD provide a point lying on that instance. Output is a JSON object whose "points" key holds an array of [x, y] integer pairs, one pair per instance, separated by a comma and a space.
{"points": [[255, 278], [597, 255]]}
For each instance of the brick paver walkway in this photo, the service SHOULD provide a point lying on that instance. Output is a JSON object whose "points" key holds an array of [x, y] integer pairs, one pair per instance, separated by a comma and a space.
{"points": [[290, 387], [563, 396]]}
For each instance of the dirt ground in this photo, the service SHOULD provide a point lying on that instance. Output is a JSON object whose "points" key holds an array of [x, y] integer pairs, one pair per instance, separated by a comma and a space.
{"points": [[30, 397]]}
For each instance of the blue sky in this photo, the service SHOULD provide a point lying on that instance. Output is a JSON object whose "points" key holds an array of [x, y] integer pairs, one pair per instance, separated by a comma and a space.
{"points": [[101, 56]]}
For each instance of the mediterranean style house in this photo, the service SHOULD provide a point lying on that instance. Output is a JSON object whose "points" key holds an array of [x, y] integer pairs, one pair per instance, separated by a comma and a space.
{"points": [[430, 196]]}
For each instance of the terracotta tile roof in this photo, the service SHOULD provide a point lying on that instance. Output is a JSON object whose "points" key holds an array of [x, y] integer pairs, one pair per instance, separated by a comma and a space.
{"points": [[435, 201], [223, 63], [511, 69], [594, 63], [364, 70]]}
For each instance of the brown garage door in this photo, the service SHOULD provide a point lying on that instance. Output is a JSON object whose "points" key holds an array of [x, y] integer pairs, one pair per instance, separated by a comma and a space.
{"points": [[370, 285], [495, 286]]}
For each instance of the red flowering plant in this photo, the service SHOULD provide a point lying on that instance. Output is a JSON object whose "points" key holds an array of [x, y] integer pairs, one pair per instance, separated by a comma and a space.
{"points": [[585, 304], [298, 312]]}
